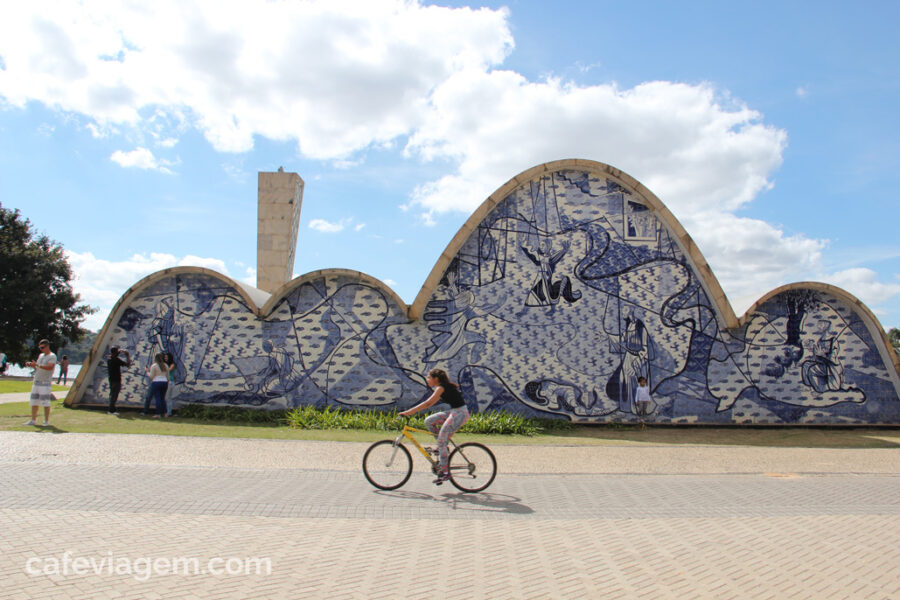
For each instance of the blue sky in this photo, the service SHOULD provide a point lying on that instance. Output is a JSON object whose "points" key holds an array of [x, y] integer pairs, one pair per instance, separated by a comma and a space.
{"points": [[133, 136]]}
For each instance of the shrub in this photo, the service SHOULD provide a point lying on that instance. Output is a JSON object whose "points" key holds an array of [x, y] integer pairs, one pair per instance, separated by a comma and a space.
{"points": [[309, 417]]}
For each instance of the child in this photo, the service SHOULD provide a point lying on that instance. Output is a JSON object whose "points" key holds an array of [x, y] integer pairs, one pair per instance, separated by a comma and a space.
{"points": [[642, 399]]}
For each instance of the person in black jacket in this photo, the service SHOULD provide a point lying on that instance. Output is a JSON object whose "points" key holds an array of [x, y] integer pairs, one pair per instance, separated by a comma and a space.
{"points": [[114, 364]]}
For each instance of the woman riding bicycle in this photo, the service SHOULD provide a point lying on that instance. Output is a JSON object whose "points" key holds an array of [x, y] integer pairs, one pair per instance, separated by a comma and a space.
{"points": [[445, 423]]}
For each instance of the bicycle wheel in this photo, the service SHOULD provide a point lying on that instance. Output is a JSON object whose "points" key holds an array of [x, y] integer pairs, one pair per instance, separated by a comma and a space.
{"points": [[387, 466], [472, 467]]}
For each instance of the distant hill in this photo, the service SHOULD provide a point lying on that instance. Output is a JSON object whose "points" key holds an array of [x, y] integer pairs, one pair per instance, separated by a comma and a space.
{"points": [[78, 352]]}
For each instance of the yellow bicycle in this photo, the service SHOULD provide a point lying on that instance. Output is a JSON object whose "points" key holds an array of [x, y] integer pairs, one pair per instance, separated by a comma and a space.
{"points": [[388, 464]]}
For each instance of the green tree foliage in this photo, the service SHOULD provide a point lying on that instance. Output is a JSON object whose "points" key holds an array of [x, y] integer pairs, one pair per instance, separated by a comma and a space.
{"points": [[36, 296], [894, 336]]}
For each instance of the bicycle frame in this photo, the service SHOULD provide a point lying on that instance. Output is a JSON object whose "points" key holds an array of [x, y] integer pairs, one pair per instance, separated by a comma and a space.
{"points": [[408, 431]]}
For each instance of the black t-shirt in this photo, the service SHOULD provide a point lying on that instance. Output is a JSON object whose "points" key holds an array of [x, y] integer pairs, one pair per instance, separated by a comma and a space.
{"points": [[452, 396], [115, 368]]}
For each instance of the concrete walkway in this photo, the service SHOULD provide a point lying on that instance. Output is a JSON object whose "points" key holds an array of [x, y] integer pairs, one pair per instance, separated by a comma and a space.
{"points": [[17, 397], [346, 456], [26, 396], [559, 522]]}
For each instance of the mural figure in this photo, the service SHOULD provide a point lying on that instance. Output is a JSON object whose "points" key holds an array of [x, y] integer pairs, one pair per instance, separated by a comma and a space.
{"points": [[636, 351], [545, 291], [824, 371], [786, 374], [448, 318], [168, 337], [572, 287], [561, 396], [279, 375], [640, 224], [131, 323]]}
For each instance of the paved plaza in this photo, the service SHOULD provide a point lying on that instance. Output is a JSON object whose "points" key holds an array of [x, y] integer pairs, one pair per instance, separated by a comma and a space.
{"points": [[289, 519]]}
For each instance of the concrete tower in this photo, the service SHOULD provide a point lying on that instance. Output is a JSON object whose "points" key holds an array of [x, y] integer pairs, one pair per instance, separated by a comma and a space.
{"points": [[278, 220]]}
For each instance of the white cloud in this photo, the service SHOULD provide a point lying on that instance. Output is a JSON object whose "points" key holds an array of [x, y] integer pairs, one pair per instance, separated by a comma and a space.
{"points": [[324, 226], [249, 277], [750, 257], [336, 75], [101, 283], [209, 263], [390, 282], [692, 147], [141, 158], [863, 283], [235, 172], [801, 92]]}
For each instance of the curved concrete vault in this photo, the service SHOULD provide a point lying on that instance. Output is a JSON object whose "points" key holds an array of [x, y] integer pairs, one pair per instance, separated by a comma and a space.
{"points": [[568, 283]]}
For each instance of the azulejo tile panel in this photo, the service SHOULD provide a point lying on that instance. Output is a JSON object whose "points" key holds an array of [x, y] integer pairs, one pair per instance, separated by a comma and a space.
{"points": [[569, 289]]}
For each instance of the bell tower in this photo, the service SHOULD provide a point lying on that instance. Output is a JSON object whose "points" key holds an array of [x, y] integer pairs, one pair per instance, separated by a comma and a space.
{"points": [[279, 198]]}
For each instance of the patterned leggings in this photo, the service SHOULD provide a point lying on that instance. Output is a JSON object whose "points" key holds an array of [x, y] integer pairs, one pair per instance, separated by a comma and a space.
{"points": [[444, 424]]}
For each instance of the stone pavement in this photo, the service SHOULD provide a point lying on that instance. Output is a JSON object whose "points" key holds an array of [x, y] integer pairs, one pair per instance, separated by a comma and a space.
{"points": [[180, 517]]}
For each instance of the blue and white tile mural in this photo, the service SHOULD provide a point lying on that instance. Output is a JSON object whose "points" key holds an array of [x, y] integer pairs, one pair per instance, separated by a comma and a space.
{"points": [[565, 293]]}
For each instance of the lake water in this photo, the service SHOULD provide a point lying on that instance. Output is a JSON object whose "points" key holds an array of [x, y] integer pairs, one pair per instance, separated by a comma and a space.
{"points": [[17, 371]]}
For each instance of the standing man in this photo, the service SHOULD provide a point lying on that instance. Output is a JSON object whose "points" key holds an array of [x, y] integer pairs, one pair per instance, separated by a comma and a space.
{"points": [[43, 378], [115, 365]]}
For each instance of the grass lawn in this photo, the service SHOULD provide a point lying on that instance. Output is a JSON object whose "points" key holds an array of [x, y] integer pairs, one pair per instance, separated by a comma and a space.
{"points": [[11, 386], [64, 420]]}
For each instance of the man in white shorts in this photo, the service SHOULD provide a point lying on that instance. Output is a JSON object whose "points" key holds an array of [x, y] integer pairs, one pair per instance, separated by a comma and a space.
{"points": [[43, 378]]}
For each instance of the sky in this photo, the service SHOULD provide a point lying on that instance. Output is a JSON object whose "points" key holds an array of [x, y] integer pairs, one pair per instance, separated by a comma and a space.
{"points": [[132, 132]]}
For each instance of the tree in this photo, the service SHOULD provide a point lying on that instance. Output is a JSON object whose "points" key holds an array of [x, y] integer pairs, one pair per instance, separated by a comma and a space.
{"points": [[36, 296], [894, 336]]}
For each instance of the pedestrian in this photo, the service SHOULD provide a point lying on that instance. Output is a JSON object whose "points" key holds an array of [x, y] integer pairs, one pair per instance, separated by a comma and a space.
{"points": [[43, 380], [159, 382], [114, 366], [642, 399], [148, 396], [63, 370], [2, 363], [170, 361]]}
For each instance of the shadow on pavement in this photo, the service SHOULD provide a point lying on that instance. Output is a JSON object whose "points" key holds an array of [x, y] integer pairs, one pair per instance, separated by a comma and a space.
{"points": [[482, 501]]}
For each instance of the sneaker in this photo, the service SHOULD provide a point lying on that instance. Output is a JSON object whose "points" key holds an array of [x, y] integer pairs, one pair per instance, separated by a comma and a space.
{"points": [[441, 478], [46, 424], [29, 422], [115, 414]]}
